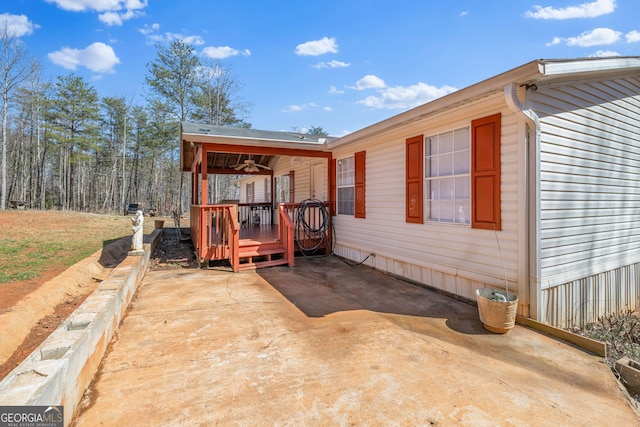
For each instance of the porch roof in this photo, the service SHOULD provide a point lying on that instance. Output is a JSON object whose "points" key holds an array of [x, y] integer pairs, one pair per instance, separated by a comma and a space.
{"points": [[234, 145]]}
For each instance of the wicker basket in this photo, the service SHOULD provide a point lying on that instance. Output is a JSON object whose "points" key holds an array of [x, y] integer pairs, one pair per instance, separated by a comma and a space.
{"points": [[497, 316]]}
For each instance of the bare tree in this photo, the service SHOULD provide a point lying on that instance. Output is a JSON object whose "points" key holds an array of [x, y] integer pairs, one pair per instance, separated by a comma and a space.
{"points": [[217, 100], [16, 66]]}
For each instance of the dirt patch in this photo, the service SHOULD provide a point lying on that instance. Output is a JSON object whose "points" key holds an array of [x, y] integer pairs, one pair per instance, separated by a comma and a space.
{"points": [[172, 253], [40, 331], [39, 309], [35, 308]]}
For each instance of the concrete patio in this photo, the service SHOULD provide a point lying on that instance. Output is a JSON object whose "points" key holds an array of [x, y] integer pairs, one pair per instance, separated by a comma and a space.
{"points": [[325, 343]]}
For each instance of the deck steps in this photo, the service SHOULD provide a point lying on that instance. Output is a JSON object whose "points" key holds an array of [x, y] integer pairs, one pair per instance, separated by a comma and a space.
{"points": [[254, 254]]}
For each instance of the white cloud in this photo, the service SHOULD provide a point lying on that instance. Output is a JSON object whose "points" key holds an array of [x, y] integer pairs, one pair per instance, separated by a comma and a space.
{"points": [[633, 36], [299, 107], [369, 82], [82, 5], [400, 97], [18, 25], [317, 47], [604, 54], [110, 18], [464, 13], [115, 18], [135, 4], [149, 29], [222, 52], [192, 40], [333, 90], [595, 37], [293, 108], [328, 109], [153, 36], [555, 41], [112, 12], [97, 57], [332, 64], [584, 10]]}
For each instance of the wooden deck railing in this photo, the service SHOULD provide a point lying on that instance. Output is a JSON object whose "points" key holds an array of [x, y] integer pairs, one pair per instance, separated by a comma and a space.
{"points": [[285, 233], [311, 225], [252, 214], [214, 232]]}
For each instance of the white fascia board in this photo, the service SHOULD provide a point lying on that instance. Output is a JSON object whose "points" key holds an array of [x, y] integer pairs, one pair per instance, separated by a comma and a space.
{"points": [[587, 65], [257, 142]]}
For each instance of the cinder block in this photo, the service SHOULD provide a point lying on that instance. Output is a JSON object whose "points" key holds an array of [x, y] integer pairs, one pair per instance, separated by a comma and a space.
{"points": [[629, 371]]}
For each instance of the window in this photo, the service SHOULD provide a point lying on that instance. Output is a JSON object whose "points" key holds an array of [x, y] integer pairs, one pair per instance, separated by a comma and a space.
{"points": [[345, 172], [461, 173], [250, 192], [359, 183], [447, 177], [267, 190], [282, 189]]}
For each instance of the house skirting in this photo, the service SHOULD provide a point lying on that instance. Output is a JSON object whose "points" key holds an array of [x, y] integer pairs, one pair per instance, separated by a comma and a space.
{"points": [[447, 280], [581, 301], [569, 304]]}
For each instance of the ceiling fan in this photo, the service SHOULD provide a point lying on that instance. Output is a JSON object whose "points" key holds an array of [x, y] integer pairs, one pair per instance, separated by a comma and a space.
{"points": [[249, 166]]}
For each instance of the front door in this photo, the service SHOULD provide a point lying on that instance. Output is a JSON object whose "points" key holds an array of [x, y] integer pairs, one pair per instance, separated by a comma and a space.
{"points": [[318, 189]]}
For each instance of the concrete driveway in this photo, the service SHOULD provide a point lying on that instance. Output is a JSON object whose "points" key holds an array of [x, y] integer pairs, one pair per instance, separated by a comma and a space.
{"points": [[328, 344]]}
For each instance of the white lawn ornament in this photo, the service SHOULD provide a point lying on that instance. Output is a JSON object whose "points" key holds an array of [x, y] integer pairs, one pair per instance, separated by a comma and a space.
{"points": [[136, 241]]}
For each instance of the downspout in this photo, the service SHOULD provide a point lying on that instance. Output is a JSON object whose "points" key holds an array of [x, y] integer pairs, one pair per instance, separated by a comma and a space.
{"points": [[532, 209]]}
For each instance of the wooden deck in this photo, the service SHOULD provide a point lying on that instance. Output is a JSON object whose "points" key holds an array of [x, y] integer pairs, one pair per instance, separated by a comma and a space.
{"points": [[262, 233], [218, 234]]}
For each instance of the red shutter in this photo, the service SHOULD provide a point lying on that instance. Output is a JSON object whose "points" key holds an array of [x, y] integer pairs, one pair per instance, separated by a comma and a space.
{"points": [[415, 179], [360, 174], [485, 173], [292, 191], [332, 185]]}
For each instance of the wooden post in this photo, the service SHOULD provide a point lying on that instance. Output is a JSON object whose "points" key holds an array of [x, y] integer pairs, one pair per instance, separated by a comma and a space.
{"points": [[204, 178]]}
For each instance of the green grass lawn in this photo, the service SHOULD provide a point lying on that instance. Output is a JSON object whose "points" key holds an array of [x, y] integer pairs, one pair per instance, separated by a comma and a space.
{"points": [[34, 242]]}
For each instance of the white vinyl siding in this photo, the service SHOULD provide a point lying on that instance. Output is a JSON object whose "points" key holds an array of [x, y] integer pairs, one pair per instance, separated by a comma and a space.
{"points": [[301, 168], [455, 259], [589, 180], [257, 186], [589, 196]]}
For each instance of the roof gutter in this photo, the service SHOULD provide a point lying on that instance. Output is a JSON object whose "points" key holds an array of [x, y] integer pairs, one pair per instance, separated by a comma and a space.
{"points": [[531, 275]]}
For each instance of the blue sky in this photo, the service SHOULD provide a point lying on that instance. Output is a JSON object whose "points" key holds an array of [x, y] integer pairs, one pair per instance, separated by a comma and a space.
{"points": [[337, 64]]}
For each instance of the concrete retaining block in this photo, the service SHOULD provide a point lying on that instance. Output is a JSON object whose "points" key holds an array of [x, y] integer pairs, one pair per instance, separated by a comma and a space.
{"points": [[62, 367], [629, 371]]}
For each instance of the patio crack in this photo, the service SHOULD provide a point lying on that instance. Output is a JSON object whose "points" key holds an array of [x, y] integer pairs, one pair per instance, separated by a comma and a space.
{"points": [[264, 347], [228, 282]]}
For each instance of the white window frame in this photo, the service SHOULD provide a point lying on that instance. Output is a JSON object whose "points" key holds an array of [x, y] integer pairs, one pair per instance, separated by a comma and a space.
{"points": [[447, 169], [345, 186]]}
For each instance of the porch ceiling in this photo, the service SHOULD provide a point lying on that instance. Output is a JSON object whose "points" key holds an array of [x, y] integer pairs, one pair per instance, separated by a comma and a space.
{"points": [[225, 162]]}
